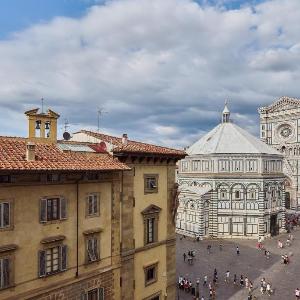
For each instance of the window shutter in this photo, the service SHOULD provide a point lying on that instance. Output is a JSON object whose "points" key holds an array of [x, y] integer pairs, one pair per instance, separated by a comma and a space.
{"points": [[95, 208], [90, 205], [101, 293], [63, 208], [43, 210], [97, 248], [42, 263], [6, 213], [63, 257], [90, 249], [5, 272]]}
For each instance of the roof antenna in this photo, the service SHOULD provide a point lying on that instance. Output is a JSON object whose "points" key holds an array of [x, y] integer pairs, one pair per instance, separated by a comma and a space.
{"points": [[100, 112], [66, 134]]}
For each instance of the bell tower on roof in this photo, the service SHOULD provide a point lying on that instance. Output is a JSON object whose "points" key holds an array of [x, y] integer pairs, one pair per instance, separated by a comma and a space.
{"points": [[42, 126], [226, 114]]}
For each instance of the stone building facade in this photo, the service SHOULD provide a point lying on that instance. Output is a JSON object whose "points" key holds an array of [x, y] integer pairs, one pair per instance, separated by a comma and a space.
{"points": [[231, 185], [280, 128], [79, 221]]}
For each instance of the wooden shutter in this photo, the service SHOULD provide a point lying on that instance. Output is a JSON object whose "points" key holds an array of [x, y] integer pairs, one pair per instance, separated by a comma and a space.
{"points": [[97, 248], [43, 210], [63, 208], [101, 293], [42, 263], [6, 214], [63, 258], [90, 250], [95, 204], [6, 272]]}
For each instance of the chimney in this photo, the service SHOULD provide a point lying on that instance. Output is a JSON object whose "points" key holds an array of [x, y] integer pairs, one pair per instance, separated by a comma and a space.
{"points": [[30, 151], [124, 139]]}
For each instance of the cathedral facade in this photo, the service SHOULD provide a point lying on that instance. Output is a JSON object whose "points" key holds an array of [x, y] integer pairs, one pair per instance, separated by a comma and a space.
{"points": [[280, 128], [231, 185]]}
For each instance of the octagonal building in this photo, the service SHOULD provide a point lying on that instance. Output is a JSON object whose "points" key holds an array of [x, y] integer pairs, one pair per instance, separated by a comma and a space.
{"points": [[231, 185]]}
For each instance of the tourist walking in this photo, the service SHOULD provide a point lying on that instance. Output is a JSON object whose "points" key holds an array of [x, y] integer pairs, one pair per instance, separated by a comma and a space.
{"points": [[237, 250], [297, 294], [269, 289], [227, 275], [184, 256], [246, 282], [242, 280], [205, 280], [234, 279]]}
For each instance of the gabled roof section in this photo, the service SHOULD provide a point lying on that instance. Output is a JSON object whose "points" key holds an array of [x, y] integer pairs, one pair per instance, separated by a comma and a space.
{"points": [[151, 209], [282, 103], [228, 138], [51, 157], [134, 146]]}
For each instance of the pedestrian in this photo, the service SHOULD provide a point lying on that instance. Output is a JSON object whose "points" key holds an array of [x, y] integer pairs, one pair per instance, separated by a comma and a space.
{"points": [[221, 247], [246, 282], [237, 250], [208, 249], [234, 279], [210, 293], [297, 294], [202, 298], [268, 254], [269, 290], [215, 272], [205, 280], [242, 280], [227, 275], [184, 256], [250, 286]]}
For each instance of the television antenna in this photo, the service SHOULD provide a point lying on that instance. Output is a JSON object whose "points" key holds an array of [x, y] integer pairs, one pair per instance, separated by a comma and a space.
{"points": [[100, 112]]}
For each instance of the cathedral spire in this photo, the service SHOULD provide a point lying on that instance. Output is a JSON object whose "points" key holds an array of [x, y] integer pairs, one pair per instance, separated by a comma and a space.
{"points": [[226, 114]]}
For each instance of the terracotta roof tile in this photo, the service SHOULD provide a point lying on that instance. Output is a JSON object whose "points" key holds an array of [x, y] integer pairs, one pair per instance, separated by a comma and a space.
{"points": [[50, 157], [134, 146]]}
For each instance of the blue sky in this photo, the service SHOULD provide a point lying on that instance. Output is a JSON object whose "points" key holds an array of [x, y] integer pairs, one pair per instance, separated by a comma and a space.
{"points": [[16, 15], [162, 69]]}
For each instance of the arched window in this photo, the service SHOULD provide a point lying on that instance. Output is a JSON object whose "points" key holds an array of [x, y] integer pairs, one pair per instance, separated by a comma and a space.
{"points": [[237, 194]]}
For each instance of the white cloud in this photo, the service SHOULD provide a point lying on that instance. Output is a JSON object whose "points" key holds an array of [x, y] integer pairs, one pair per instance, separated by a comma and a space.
{"points": [[161, 68]]}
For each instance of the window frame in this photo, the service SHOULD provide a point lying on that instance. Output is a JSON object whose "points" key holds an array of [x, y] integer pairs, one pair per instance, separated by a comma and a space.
{"points": [[61, 209], [10, 225], [151, 212], [10, 258], [88, 237], [148, 190], [95, 213], [62, 259], [153, 266]]}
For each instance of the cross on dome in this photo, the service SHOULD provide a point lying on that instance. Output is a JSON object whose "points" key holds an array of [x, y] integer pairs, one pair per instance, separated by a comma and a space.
{"points": [[226, 114]]}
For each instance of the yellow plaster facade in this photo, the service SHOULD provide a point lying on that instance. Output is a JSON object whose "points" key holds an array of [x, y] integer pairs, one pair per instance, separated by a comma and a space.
{"points": [[119, 227]]}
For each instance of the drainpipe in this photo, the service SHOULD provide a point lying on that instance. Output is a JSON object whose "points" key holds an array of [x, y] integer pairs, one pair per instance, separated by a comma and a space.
{"points": [[77, 228]]}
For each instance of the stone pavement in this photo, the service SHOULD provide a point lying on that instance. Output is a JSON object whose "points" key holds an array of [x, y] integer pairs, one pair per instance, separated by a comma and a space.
{"points": [[251, 263]]}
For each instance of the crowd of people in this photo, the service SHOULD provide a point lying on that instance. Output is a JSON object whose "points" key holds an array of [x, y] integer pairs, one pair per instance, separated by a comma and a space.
{"points": [[198, 289], [241, 280]]}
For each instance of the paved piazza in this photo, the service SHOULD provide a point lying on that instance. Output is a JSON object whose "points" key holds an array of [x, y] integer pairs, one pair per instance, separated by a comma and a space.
{"points": [[251, 263]]}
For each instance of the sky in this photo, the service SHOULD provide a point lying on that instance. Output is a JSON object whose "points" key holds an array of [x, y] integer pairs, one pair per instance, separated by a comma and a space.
{"points": [[160, 69]]}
